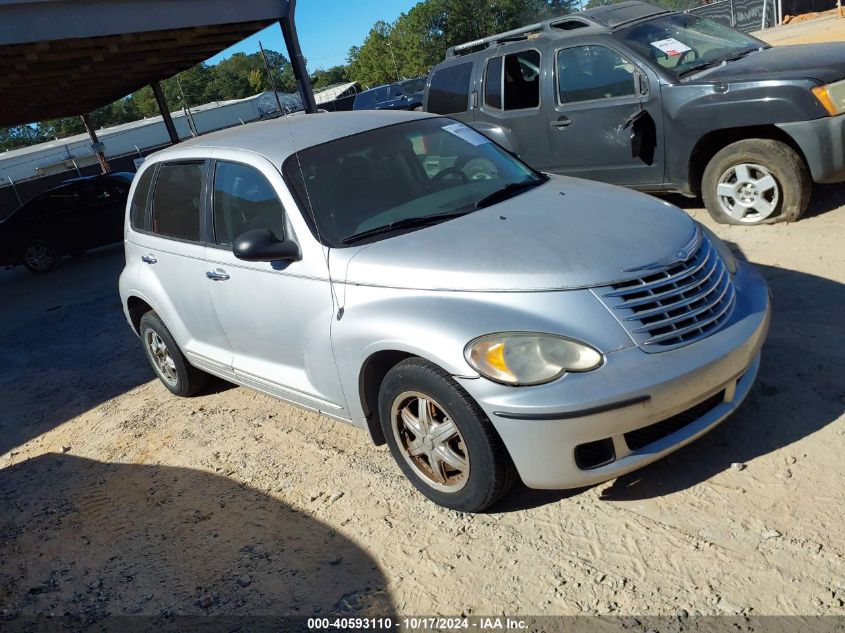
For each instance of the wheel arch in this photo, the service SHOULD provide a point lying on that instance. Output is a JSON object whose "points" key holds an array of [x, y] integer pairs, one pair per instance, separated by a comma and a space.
{"points": [[713, 142], [372, 373], [136, 307]]}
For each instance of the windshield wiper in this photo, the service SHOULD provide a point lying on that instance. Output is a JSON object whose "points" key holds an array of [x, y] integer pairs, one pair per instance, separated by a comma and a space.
{"points": [[718, 62], [508, 191], [405, 223]]}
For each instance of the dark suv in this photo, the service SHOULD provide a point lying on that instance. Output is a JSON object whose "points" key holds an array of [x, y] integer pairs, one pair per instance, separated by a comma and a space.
{"points": [[402, 95], [659, 101]]}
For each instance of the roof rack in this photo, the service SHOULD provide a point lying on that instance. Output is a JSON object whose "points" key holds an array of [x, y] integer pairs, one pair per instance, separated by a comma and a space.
{"points": [[603, 17]]}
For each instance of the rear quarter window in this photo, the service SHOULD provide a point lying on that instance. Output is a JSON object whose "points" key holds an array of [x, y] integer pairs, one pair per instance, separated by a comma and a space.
{"points": [[449, 90], [176, 201], [138, 208]]}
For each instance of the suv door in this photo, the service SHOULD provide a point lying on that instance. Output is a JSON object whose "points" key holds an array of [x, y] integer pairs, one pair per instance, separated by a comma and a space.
{"points": [[276, 315], [511, 98], [167, 238], [605, 115]]}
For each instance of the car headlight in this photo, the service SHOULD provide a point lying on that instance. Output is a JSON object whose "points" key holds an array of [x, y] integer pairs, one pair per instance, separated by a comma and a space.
{"points": [[832, 97], [528, 358], [722, 249]]}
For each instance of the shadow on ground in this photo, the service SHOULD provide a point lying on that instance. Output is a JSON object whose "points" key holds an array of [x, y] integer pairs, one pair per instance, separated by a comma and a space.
{"points": [[799, 390], [88, 539]]}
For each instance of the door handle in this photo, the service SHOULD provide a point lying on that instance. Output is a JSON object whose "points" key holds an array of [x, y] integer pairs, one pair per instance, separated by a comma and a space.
{"points": [[217, 275], [149, 258], [562, 122]]}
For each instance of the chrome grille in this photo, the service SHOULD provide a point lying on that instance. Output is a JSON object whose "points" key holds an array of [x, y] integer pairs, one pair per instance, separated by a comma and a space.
{"points": [[676, 306]]}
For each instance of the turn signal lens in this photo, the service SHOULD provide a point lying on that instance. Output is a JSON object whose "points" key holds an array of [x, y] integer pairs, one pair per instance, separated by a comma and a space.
{"points": [[526, 358], [832, 97]]}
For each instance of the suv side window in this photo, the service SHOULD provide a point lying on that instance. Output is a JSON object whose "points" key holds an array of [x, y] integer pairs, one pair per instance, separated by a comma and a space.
{"points": [[585, 73], [176, 201], [244, 200], [449, 90], [518, 86], [493, 83], [364, 100], [138, 208]]}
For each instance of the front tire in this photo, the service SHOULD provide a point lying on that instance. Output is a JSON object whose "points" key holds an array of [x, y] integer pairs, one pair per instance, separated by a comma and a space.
{"points": [[40, 256], [756, 181], [441, 439], [167, 360]]}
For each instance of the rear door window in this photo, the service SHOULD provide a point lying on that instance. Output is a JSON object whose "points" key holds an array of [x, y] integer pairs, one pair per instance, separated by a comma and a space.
{"points": [[244, 200], [493, 84], [449, 90], [176, 201]]}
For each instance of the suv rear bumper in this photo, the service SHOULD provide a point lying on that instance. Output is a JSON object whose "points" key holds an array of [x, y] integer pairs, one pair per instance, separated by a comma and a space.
{"points": [[643, 405], [823, 143]]}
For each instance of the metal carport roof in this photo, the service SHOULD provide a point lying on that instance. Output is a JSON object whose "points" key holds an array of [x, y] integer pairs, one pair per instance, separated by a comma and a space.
{"points": [[70, 57]]}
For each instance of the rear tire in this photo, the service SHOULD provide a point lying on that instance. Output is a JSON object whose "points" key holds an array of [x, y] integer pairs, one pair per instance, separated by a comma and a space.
{"points": [[756, 181], [40, 256], [167, 360], [441, 439]]}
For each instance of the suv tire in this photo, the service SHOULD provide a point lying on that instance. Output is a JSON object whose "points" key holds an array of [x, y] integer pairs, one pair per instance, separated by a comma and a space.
{"points": [[167, 360], [449, 449], [756, 181]]}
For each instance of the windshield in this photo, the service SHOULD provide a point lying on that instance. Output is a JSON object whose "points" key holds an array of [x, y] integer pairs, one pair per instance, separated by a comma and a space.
{"points": [[681, 43], [392, 176], [412, 86]]}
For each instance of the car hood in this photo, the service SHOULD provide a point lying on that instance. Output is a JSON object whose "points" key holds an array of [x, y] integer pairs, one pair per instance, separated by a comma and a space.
{"points": [[823, 62], [566, 233]]}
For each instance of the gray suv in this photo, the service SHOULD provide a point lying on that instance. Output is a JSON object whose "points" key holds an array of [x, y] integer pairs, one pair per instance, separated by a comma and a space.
{"points": [[355, 264], [659, 101]]}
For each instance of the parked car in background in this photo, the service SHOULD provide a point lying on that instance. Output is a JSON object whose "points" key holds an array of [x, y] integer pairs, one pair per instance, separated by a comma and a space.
{"points": [[352, 263], [78, 215], [636, 95], [402, 95]]}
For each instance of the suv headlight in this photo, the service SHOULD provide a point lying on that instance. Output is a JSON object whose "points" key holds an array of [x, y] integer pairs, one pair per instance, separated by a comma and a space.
{"points": [[722, 249], [832, 97], [528, 358]]}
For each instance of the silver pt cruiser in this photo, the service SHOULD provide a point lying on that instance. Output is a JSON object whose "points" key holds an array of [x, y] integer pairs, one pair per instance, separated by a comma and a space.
{"points": [[401, 272]]}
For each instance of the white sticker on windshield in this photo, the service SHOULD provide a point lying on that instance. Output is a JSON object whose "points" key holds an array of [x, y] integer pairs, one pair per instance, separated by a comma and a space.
{"points": [[671, 46], [467, 133]]}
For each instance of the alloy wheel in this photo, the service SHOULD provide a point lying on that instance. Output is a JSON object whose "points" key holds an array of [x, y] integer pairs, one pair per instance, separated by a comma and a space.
{"points": [[430, 441], [160, 355], [748, 193], [39, 257]]}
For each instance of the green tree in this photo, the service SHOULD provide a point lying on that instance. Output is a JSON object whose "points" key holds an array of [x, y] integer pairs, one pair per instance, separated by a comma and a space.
{"points": [[418, 39], [19, 136], [330, 76]]}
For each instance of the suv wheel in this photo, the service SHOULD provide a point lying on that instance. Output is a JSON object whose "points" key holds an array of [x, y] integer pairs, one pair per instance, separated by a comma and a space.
{"points": [[40, 256], [756, 181], [168, 362], [441, 439]]}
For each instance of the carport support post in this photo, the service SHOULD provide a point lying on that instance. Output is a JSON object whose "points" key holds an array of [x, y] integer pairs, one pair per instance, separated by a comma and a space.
{"points": [[297, 61], [165, 112], [95, 144]]}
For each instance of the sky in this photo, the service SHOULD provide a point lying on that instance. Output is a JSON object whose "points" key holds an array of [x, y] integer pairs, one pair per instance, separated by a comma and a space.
{"points": [[327, 29]]}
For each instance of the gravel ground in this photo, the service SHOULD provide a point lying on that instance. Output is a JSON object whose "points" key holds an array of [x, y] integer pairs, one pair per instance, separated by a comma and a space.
{"points": [[120, 498]]}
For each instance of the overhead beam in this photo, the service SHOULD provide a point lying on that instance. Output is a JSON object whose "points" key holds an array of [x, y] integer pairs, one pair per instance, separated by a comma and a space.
{"points": [[165, 112]]}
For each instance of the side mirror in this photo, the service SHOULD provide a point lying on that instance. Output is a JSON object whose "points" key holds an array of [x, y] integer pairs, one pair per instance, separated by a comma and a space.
{"points": [[260, 245]]}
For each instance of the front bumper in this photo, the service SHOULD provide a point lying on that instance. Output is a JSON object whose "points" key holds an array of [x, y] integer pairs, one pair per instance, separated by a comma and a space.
{"points": [[542, 426], [822, 142]]}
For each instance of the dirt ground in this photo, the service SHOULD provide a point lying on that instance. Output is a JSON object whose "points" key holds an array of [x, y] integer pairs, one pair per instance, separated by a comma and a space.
{"points": [[826, 27], [119, 498]]}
